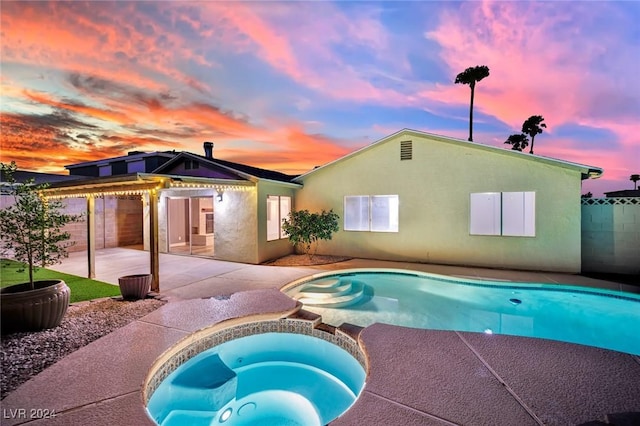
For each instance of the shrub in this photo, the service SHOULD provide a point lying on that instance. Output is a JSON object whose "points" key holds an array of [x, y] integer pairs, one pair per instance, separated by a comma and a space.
{"points": [[305, 229]]}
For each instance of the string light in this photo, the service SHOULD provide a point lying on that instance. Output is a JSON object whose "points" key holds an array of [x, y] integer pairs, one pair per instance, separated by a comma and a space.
{"points": [[55, 193]]}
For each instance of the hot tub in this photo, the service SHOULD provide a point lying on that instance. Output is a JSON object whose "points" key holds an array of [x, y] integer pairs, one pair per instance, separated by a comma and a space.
{"points": [[266, 378]]}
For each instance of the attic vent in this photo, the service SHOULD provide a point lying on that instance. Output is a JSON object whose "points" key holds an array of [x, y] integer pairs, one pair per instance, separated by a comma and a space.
{"points": [[406, 150]]}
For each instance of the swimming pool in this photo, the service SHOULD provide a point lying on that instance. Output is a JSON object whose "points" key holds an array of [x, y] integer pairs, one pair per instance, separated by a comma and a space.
{"points": [[269, 378], [594, 317]]}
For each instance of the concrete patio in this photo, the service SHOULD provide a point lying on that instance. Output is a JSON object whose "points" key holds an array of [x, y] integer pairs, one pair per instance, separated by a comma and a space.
{"points": [[416, 377]]}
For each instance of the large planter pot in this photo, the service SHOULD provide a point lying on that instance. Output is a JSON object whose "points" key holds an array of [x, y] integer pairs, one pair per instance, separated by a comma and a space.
{"points": [[135, 286], [43, 307]]}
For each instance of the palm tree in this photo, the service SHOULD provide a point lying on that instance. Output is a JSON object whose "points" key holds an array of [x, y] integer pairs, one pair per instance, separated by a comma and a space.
{"points": [[532, 126], [634, 179], [518, 141], [471, 76]]}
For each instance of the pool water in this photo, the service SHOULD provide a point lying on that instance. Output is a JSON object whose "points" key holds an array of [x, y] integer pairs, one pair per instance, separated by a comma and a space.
{"points": [[271, 379], [593, 317]]}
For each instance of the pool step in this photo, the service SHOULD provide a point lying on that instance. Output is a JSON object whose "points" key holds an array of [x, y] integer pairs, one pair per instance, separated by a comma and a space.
{"points": [[345, 294], [325, 292]]}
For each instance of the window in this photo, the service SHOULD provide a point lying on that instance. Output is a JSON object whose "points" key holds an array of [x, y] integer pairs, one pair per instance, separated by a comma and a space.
{"points": [[356, 213], [135, 166], [278, 208], [376, 213], [503, 213], [191, 164], [104, 170]]}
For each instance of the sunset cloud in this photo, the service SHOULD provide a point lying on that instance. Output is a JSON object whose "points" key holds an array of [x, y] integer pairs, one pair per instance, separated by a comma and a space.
{"points": [[292, 85]]}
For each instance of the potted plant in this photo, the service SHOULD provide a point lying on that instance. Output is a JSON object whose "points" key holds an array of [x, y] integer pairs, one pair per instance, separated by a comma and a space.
{"points": [[31, 233], [135, 286]]}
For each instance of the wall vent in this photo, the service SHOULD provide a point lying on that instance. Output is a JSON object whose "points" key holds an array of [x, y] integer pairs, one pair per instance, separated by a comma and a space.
{"points": [[406, 150]]}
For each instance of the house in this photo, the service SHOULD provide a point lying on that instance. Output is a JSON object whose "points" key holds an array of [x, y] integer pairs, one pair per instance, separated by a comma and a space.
{"points": [[419, 197], [190, 204], [133, 162], [411, 196]]}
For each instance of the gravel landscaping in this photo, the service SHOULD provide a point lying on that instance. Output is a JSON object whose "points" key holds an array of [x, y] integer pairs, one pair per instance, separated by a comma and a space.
{"points": [[23, 355]]}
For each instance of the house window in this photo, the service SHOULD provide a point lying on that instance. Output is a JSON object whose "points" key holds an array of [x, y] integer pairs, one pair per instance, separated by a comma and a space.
{"points": [[278, 208], [191, 164], [503, 213], [135, 166], [375, 213], [104, 170]]}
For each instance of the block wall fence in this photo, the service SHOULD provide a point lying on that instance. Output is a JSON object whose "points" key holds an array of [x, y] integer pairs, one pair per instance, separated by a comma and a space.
{"points": [[118, 222], [611, 235]]}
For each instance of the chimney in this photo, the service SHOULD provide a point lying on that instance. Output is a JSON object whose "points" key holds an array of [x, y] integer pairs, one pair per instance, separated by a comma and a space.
{"points": [[208, 150]]}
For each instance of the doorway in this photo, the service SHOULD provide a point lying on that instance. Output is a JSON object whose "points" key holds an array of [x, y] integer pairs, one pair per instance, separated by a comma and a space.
{"points": [[190, 226]]}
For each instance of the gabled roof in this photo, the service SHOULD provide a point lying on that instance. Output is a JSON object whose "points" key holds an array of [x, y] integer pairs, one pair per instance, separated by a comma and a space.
{"points": [[241, 170], [132, 156], [587, 171]]}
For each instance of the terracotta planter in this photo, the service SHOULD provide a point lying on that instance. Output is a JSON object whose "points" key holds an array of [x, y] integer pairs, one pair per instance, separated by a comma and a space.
{"points": [[24, 309], [135, 286]]}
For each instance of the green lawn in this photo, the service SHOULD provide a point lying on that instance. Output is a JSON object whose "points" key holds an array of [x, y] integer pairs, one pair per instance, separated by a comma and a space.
{"points": [[81, 288]]}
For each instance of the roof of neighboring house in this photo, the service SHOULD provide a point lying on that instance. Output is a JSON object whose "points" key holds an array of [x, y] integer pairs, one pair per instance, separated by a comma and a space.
{"points": [[241, 170], [587, 171], [131, 156], [22, 176], [623, 193]]}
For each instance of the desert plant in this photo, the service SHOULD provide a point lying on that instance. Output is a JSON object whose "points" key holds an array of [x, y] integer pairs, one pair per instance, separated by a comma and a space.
{"points": [[305, 228], [31, 227]]}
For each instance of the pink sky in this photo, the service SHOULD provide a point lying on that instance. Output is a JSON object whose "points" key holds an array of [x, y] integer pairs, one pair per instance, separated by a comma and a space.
{"points": [[292, 85]]}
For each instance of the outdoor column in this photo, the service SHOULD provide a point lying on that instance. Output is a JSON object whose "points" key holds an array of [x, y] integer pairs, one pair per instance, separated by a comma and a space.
{"points": [[91, 237], [153, 240]]}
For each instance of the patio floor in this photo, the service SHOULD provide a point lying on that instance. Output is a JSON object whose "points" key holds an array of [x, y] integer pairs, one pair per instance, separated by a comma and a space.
{"points": [[416, 377]]}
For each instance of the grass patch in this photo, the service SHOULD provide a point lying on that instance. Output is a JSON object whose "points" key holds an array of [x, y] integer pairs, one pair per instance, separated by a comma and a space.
{"points": [[81, 288]]}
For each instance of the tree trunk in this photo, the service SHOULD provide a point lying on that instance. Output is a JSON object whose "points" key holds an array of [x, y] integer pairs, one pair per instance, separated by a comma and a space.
{"points": [[531, 150], [471, 113]]}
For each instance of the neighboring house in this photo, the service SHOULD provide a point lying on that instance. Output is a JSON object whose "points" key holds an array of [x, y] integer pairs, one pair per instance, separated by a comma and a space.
{"points": [[624, 193], [133, 162], [418, 197]]}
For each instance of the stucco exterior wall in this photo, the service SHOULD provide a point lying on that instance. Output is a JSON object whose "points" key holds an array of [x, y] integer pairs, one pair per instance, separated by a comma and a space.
{"points": [[434, 191], [236, 227], [611, 235], [268, 250]]}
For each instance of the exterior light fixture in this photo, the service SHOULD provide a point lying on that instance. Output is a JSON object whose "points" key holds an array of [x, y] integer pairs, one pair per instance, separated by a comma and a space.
{"points": [[219, 197]]}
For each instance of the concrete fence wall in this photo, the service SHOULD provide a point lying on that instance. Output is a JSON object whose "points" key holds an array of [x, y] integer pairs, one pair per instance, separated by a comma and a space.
{"points": [[611, 235]]}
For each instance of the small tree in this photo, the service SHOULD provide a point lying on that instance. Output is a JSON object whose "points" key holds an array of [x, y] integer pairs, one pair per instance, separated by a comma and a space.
{"points": [[31, 228], [305, 228], [634, 179], [518, 141]]}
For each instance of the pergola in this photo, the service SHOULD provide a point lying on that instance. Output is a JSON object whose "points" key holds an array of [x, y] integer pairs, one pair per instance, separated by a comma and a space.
{"points": [[145, 185]]}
